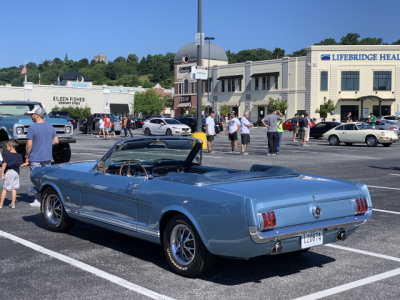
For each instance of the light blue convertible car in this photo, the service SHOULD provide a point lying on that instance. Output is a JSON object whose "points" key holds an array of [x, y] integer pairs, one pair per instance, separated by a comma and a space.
{"points": [[155, 188]]}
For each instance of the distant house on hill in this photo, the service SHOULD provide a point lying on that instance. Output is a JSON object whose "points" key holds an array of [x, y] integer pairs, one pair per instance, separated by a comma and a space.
{"points": [[74, 78], [100, 58]]}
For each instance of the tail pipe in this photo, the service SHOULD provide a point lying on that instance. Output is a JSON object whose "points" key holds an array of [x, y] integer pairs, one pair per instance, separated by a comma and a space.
{"points": [[278, 248], [341, 235]]}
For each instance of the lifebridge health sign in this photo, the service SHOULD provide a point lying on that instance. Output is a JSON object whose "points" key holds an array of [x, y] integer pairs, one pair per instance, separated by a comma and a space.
{"points": [[361, 57]]}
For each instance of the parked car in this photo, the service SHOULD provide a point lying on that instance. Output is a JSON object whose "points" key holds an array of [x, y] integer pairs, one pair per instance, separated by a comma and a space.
{"points": [[392, 118], [165, 126], [288, 125], [139, 122], [69, 119], [356, 132], [117, 123], [320, 128], [64, 115], [192, 123], [383, 124], [156, 189]]}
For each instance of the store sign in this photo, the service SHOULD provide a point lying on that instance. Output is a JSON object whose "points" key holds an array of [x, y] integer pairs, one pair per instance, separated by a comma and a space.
{"points": [[185, 99], [361, 57], [68, 100], [80, 84], [199, 73]]}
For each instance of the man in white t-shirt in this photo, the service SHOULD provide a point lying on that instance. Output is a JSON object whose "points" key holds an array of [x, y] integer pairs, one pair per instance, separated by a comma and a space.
{"points": [[101, 127], [232, 129], [245, 131], [210, 130]]}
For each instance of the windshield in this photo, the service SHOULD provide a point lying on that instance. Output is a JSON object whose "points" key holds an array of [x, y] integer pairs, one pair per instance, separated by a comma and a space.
{"points": [[363, 126], [152, 151], [172, 121], [16, 109]]}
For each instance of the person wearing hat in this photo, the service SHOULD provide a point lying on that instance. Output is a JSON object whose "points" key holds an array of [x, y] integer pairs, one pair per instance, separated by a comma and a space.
{"points": [[41, 137], [232, 129]]}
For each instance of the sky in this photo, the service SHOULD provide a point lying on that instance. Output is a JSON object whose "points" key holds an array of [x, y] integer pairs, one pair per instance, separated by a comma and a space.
{"points": [[34, 31]]}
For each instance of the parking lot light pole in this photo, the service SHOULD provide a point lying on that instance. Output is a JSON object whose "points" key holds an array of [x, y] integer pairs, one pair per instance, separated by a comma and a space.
{"points": [[209, 39], [199, 63]]}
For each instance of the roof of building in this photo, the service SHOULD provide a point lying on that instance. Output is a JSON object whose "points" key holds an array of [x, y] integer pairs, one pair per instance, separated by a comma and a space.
{"points": [[190, 50], [74, 75]]}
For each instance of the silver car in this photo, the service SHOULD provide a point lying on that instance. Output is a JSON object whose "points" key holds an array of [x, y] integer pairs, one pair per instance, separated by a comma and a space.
{"points": [[388, 125]]}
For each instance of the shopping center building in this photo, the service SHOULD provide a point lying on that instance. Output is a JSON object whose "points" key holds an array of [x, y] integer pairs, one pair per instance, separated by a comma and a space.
{"points": [[357, 78]]}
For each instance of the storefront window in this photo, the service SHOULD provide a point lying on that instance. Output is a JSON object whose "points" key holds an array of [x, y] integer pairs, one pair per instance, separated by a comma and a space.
{"points": [[192, 87], [240, 85], [264, 83], [268, 83], [179, 88], [382, 80], [186, 87], [350, 80], [222, 86], [324, 81], [256, 83], [229, 85], [276, 81], [233, 85]]}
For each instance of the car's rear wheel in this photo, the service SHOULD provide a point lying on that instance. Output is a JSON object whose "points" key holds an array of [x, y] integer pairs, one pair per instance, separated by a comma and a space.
{"points": [[53, 212], [334, 140], [168, 132], [184, 250], [371, 141], [387, 144], [147, 131], [348, 144]]}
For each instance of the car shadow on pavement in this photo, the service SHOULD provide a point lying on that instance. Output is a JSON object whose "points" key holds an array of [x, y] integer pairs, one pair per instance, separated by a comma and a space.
{"points": [[385, 168], [234, 272], [28, 198]]}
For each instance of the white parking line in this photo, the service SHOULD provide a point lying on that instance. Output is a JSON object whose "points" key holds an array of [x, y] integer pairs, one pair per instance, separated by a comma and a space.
{"points": [[350, 285], [383, 187], [387, 211], [394, 174], [85, 267], [396, 259]]}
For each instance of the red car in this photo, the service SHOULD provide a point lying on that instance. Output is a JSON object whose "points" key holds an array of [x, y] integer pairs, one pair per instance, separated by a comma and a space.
{"points": [[288, 125]]}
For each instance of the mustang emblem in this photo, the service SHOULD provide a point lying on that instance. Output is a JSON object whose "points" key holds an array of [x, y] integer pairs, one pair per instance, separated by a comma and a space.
{"points": [[316, 211]]}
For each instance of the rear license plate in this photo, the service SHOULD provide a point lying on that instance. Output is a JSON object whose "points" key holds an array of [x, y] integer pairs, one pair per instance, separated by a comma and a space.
{"points": [[312, 238]]}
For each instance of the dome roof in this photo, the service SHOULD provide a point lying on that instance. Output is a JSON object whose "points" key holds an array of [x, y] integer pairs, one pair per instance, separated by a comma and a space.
{"points": [[190, 50]]}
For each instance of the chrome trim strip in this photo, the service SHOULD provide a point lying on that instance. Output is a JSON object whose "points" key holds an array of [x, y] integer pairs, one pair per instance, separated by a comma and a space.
{"points": [[260, 237], [115, 222]]}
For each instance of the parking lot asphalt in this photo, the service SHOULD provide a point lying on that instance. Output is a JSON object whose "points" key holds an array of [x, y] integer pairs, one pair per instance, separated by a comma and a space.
{"points": [[93, 263]]}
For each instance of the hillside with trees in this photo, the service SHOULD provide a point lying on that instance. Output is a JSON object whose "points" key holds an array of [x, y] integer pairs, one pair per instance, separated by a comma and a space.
{"points": [[152, 69]]}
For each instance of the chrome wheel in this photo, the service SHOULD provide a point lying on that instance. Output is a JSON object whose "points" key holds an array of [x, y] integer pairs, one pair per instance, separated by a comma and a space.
{"points": [[333, 140], [53, 209], [183, 246], [371, 141]]}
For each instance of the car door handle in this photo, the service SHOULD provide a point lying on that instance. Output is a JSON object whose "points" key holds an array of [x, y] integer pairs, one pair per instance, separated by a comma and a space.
{"points": [[133, 186]]}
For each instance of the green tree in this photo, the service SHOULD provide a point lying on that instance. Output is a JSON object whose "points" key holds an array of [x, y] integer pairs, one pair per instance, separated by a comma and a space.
{"points": [[327, 108], [278, 53], [224, 110], [328, 41], [370, 41], [350, 39], [148, 103], [74, 111], [302, 52], [396, 42], [277, 104]]}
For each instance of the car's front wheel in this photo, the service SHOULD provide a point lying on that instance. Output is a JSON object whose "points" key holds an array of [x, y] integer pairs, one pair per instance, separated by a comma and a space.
{"points": [[168, 132], [53, 212], [185, 252], [334, 140], [371, 141], [147, 131]]}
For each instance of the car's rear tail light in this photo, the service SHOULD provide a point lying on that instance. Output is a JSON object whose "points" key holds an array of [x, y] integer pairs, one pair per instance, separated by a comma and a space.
{"points": [[361, 206], [141, 122], [393, 128], [267, 220]]}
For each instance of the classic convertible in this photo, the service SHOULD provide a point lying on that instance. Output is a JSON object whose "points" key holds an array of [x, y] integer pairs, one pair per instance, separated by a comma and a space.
{"points": [[155, 188]]}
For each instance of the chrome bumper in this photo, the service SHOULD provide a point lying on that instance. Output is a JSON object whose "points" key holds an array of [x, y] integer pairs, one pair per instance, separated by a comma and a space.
{"points": [[260, 237]]}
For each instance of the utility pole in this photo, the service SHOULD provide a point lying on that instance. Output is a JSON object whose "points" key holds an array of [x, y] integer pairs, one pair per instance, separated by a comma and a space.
{"points": [[199, 59], [209, 39]]}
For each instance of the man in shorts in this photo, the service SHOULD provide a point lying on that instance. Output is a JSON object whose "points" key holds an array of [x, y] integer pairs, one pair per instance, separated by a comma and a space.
{"points": [[210, 130], [232, 130], [107, 125], [245, 131]]}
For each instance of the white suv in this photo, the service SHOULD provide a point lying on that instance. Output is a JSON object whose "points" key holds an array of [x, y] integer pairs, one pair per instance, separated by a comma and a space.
{"points": [[165, 126]]}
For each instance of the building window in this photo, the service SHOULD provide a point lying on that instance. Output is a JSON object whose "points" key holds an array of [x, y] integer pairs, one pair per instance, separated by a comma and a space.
{"points": [[264, 83], [256, 83], [192, 87], [350, 80], [240, 85], [276, 81], [382, 80], [233, 85], [268, 83], [208, 85], [324, 81], [186, 87], [222, 86], [229, 85], [179, 88]]}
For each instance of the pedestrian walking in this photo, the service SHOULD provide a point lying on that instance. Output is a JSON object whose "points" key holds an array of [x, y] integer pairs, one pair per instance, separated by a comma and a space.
{"points": [[89, 124], [306, 128], [245, 131], [279, 124], [41, 137], [107, 125], [295, 123], [210, 130], [127, 126], [372, 120], [270, 121], [12, 161], [232, 130], [101, 127]]}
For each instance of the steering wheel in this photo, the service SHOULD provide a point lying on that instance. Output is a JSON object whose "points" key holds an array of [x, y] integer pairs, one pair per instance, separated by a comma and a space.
{"points": [[146, 176]]}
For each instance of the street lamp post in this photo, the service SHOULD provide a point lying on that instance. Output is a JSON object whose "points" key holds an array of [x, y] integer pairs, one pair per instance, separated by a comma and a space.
{"points": [[209, 39], [199, 63]]}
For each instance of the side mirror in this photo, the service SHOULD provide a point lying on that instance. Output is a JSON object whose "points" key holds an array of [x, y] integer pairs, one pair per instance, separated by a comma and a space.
{"points": [[101, 166]]}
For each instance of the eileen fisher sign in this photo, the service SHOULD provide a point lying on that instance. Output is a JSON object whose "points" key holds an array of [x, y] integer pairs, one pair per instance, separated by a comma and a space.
{"points": [[68, 100]]}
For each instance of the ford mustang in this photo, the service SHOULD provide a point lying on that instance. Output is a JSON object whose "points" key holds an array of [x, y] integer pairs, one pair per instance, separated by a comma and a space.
{"points": [[156, 189]]}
